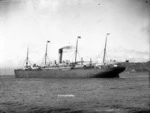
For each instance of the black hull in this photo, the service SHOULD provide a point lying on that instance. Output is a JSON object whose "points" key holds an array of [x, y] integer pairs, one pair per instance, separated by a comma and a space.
{"points": [[112, 72]]}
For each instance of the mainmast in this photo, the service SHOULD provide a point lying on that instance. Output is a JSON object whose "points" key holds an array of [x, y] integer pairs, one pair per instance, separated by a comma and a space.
{"points": [[46, 51], [27, 59], [76, 49], [105, 48]]}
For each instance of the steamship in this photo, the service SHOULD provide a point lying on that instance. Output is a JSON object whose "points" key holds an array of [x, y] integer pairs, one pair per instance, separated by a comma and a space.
{"points": [[76, 69]]}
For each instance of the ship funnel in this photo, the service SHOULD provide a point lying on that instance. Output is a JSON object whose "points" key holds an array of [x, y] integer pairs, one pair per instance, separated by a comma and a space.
{"points": [[60, 51], [60, 55]]}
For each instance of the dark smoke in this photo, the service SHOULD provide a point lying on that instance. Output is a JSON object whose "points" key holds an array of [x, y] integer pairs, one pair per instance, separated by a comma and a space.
{"points": [[66, 47]]}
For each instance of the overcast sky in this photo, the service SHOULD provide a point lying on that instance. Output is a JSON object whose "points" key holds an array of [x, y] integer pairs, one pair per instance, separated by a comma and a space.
{"points": [[31, 23]]}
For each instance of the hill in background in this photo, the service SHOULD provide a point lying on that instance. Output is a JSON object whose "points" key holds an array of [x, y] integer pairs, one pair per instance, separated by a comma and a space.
{"points": [[136, 66]]}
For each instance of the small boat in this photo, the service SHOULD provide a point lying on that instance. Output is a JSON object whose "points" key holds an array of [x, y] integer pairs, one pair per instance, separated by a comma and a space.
{"points": [[76, 69]]}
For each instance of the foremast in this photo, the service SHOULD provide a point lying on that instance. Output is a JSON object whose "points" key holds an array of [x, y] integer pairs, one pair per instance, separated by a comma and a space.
{"points": [[46, 52], [27, 59]]}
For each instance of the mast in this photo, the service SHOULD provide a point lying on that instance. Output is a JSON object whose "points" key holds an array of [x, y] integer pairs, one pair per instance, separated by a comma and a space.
{"points": [[27, 59], [76, 49], [105, 48], [46, 51]]}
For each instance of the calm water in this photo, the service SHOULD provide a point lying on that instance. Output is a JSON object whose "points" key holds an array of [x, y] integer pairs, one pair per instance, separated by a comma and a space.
{"points": [[130, 93]]}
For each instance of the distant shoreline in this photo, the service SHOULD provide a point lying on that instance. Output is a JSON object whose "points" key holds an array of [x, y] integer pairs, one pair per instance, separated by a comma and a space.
{"points": [[131, 67]]}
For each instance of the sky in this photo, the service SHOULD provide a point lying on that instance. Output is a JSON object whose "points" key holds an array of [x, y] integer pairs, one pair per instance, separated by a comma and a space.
{"points": [[30, 23]]}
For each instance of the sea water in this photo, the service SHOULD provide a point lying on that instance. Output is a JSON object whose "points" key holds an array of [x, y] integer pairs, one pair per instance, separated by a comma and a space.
{"points": [[129, 93]]}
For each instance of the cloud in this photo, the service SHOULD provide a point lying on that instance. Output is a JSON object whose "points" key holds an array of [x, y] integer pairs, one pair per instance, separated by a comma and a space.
{"points": [[7, 6], [123, 54]]}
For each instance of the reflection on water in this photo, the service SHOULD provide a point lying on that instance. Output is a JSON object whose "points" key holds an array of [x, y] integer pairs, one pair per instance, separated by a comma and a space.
{"points": [[127, 94]]}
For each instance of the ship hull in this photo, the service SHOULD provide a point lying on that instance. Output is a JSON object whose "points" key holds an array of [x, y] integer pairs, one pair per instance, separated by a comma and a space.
{"points": [[70, 73]]}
